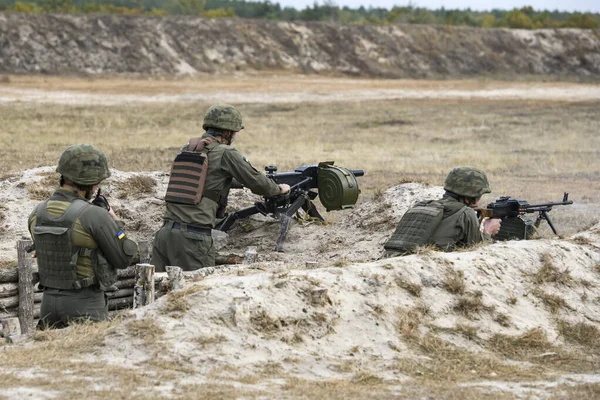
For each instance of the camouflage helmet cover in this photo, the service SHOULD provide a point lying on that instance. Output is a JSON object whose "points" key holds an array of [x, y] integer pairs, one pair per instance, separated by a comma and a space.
{"points": [[223, 116], [83, 164], [467, 181]]}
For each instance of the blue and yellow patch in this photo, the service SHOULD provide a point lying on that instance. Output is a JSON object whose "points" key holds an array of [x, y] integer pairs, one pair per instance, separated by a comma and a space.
{"points": [[120, 234], [245, 159]]}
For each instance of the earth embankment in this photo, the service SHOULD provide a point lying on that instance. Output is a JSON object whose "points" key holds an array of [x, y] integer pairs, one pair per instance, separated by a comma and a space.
{"points": [[78, 44]]}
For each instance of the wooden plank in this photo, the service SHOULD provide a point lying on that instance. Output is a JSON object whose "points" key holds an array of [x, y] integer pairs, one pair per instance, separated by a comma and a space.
{"points": [[9, 313], [9, 275], [120, 303], [126, 292], [128, 272], [11, 326], [25, 287], [145, 254], [125, 283], [9, 302], [144, 286], [175, 277], [9, 289]]}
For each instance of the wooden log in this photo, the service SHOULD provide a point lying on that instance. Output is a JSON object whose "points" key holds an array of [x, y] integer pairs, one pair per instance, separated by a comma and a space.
{"points": [[128, 272], [144, 286], [9, 313], [11, 326], [9, 302], [144, 249], [9, 289], [175, 277], [228, 259], [125, 283], [9, 275], [25, 287], [127, 292], [120, 303]]}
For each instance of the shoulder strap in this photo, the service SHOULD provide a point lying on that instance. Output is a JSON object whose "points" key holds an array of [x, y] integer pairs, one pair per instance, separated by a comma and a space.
{"points": [[199, 144]]}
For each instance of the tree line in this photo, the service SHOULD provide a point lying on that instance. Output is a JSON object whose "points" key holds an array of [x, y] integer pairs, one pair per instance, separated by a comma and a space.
{"points": [[523, 18]]}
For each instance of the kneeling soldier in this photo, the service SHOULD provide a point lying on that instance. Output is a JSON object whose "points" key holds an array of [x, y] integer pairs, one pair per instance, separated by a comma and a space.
{"points": [[78, 246]]}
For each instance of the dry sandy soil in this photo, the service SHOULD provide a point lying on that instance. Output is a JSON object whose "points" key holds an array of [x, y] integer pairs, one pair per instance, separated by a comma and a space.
{"points": [[515, 319]]}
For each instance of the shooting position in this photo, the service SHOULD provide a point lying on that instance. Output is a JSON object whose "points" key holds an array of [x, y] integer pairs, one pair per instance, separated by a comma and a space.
{"points": [[337, 189], [512, 211]]}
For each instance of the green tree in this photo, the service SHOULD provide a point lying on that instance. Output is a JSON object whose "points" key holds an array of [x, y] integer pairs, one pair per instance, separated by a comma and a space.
{"points": [[191, 7]]}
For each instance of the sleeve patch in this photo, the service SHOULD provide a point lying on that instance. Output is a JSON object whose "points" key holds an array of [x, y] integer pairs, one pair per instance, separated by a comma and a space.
{"points": [[245, 159], [120, 235]]}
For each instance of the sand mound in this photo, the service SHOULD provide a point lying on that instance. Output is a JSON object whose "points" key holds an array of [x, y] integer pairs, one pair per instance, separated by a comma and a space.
{"points": [[476, 315]]}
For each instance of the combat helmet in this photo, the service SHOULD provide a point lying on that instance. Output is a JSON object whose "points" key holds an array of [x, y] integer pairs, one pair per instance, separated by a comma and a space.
{"points": [[83, 164], [223, 116], [467, 181]]}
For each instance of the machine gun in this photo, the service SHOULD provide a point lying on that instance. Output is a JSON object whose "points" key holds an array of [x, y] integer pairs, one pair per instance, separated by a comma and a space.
{"points": [[508, 207], [337, 190]]}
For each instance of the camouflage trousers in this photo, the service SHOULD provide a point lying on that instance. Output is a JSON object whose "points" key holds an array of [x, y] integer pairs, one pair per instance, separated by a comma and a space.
{"points": [[59, 307], [182, 247]]}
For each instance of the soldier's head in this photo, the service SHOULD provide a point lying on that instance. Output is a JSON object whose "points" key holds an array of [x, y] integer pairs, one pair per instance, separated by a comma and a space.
{"points": [[467, 182], [222, 120], [83, 166]]}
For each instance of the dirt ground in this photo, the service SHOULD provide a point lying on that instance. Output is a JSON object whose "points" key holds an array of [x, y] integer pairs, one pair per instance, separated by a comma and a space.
{"points": [[325, 318]]}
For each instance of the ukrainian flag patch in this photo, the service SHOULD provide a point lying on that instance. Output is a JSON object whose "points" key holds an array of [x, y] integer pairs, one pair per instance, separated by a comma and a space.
{"points": [[120, 234]]}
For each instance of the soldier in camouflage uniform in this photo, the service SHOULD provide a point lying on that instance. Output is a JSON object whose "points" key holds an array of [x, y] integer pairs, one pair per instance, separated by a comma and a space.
{"points": [[185, 239], [449, 222], [78, 246]]}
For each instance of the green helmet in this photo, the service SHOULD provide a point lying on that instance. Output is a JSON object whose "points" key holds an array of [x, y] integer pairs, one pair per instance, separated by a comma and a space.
{"points": [[83, 164], [467, 181], [223, 116]]}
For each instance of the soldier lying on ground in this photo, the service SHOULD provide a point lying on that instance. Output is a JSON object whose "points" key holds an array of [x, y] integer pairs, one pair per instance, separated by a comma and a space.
{"points": [[449, 222]]}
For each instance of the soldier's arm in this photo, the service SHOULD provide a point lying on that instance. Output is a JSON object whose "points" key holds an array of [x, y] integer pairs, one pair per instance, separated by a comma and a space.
{"points": [[471, 229], [241, 169], [118, 249]]}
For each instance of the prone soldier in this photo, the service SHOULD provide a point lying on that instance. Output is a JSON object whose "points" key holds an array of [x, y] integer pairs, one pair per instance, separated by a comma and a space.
{"points": [[449, 222]]}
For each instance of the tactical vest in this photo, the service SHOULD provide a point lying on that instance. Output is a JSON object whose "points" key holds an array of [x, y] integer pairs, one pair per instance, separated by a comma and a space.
{"points": [[416, 227], [188, 173], [57, 256]]}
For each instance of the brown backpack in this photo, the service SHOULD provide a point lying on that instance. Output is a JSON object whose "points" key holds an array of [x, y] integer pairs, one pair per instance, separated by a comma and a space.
{"points": [[188, 173]]}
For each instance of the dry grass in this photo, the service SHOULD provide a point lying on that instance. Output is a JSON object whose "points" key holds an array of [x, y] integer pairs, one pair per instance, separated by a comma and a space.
{"points": [[414, 289], [454, 281], [147, 329], [552, 301], [408, 323], [177, 301], [441, 134], [533, 341], [135, 186], [468, 331], [471, 304], [264, 323], [548, 273], [583, 334], [204, 341]]}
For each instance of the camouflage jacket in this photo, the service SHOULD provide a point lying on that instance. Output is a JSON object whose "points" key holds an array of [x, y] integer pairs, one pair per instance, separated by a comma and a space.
{"points": [[459, 226], [94, 229], [224, 163]]}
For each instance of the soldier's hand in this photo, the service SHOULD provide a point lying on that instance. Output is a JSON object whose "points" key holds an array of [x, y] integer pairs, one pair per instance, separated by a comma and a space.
{"points": [[284, 188], [111, 212], [491, 226]]}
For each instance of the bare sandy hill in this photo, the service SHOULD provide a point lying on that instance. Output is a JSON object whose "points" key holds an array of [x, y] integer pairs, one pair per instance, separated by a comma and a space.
{"points": [[477, 316], [92, 44]]}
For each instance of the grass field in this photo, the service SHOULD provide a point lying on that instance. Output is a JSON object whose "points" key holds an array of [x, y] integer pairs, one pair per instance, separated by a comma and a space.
{"points": [[531, 149]]}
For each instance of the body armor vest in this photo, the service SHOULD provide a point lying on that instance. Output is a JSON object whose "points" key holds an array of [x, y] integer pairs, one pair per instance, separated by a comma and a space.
{"points": [[416, 227], [57, 256], [188, 174]]}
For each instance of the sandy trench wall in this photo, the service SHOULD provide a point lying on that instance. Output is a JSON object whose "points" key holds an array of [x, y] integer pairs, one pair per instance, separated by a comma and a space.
{"points": [[66, 44]]}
